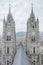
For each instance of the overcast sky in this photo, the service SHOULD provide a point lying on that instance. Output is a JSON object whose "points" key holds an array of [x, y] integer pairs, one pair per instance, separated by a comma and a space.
{"points": [[21, 11]]}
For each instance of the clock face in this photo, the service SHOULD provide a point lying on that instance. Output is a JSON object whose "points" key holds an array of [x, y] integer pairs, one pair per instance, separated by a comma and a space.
{"points": [[9, 33], [33, 33]]}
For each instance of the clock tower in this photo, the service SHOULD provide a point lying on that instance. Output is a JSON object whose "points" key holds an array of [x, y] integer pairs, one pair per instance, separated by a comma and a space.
{"points": [[9, 39], [32, 38]]}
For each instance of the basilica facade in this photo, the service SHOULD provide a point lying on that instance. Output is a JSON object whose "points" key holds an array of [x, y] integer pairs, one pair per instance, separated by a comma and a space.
{"points": [[8, 46]]}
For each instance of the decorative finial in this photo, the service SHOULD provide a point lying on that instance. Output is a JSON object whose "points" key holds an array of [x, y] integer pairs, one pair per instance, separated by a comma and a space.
{"points": [[4, 18], [37, 20]]}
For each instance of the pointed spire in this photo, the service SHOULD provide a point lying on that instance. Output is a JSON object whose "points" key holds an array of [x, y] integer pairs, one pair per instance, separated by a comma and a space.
{"points": [[32, 8], [32, 13], [9, 9], [9, 14]]}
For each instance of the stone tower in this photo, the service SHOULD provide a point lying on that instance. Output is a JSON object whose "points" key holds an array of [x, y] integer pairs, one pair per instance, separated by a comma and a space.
{"points": [[9, 39], [32, 38]]}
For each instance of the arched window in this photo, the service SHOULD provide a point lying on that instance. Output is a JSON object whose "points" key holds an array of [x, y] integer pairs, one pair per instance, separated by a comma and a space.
{"points": [[8, 38], [33, 49], [33, 38], [33, 26], [7, 49], [7, 62], [34, 62]]}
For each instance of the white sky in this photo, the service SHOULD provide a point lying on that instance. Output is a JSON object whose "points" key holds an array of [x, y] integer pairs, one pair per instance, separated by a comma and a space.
{"points": [[21, 11]]}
